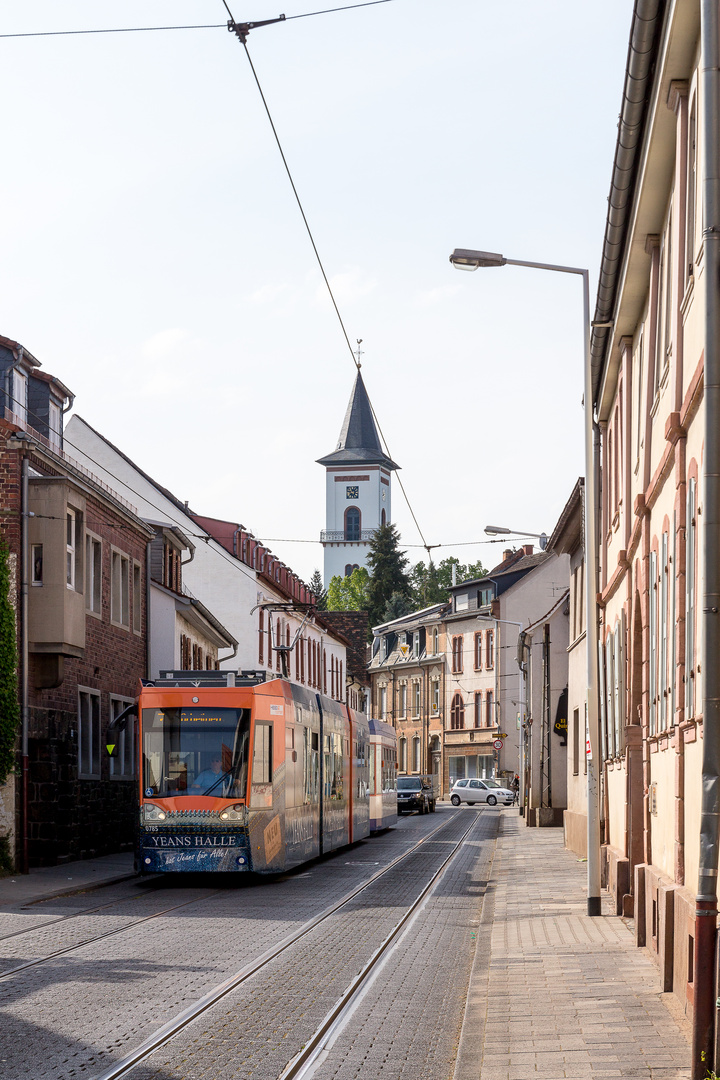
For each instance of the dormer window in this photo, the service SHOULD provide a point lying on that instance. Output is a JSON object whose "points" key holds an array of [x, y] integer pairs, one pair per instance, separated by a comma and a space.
{"points": [[19, 393], [55, 426]]}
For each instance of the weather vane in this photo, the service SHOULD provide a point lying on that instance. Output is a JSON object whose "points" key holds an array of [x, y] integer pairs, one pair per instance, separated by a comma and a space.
{"points": [[359, 352]]}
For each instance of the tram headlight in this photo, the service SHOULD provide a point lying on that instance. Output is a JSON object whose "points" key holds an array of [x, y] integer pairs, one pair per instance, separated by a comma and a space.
{"points": [[232, 813], [151, 812]]}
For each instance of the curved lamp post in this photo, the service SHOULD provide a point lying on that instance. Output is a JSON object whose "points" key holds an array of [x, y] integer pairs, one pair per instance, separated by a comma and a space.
{"points": [[499, 530], [469, 259]]}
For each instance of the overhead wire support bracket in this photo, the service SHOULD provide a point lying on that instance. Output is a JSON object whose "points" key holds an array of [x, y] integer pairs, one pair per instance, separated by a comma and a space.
{"points": [[243, 29]]}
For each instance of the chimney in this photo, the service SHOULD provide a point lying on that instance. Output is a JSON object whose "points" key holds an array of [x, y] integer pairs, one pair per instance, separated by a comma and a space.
{"points": [[528, 549], [507, 554]]}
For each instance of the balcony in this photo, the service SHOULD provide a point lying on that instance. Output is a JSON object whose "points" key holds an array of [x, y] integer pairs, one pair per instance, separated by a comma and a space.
{"points": [[340, 537]]}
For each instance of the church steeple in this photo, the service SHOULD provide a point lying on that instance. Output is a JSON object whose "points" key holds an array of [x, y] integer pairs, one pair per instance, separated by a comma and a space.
{"points": [[357, 488], [359, 440]]}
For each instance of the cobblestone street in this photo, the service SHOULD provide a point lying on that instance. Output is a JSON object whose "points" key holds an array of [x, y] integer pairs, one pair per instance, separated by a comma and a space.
{"points": [[499, 975]]}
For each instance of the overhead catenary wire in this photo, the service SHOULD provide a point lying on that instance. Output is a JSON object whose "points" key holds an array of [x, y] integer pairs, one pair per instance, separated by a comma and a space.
{"points": [[191, 26], [233, 25]]}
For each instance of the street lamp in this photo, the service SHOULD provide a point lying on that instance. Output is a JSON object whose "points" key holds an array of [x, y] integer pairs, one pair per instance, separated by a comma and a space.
{"points": [[499, 530], [468, 259]]}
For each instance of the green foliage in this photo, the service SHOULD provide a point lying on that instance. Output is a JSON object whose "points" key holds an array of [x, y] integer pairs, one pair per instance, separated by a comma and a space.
{"points": [[349, 593], [388, 571], [7, 865], [397, 606], [9, 705], [316, 586], [431, 584]]}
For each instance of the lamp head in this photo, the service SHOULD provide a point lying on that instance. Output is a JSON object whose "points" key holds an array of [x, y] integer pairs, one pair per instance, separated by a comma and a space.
{"points": [[467, 259]]}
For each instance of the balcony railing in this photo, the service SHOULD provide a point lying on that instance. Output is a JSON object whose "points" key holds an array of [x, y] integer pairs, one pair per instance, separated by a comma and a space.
{"points": [[327, 537]]}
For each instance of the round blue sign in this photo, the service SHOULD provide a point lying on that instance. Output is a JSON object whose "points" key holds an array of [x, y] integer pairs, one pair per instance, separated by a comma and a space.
{"points": [[149, 792]]}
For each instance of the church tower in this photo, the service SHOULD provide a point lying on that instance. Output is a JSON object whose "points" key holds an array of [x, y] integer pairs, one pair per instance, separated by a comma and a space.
{"points": [[357, 489]]}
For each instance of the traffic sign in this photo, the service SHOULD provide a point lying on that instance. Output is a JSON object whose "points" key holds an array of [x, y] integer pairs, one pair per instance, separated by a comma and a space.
{"points": [[498, 744]]}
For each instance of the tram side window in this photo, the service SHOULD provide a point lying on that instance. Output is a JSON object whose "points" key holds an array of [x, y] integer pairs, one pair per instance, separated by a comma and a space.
{"points": [[333, 766], [311, 747], [262, 754], [371, 779]]}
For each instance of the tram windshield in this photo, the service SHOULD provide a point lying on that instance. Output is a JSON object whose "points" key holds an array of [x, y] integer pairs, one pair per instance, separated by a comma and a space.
{"points": [[195, 752]]}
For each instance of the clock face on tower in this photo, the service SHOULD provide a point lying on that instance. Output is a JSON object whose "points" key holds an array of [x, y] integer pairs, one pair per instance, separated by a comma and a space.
{"points": [[352, 491]]}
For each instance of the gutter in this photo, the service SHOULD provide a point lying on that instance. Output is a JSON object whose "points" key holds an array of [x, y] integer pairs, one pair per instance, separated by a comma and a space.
{"points": [[642, 53], [706, 903]]}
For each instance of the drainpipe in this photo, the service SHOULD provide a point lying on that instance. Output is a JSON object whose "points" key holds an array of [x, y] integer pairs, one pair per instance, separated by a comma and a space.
{"points": [[706, 907], [24, 658], [148, 603]]}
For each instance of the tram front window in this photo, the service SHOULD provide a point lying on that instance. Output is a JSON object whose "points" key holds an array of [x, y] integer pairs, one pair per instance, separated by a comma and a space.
{"points": [[195, 752]]}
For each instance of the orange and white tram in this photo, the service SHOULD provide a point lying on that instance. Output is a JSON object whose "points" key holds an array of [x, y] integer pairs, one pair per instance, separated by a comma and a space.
{"points": [[238, 774], [383, 775]]}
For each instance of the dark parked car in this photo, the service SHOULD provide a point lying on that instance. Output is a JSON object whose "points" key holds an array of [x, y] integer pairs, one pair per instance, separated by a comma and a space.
{"points": [[416, 793]]}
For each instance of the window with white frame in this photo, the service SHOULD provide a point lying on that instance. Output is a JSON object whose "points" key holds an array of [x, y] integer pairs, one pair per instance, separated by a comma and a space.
{"points": [[664, 619], [55, 426], [88, 733], [416, 754], [137, 598], [403, 755], [436, 641], [122, 764], [489, 709], [403, 700], [93, 574], [653, 629], [416, 698], [435, 695], [383, 702], [19, 402], [71, 533], [690, 585], [120, 590], [489, 648], [36, 555]]}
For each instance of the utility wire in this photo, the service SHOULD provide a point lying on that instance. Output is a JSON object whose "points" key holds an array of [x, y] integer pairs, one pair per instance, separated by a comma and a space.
{"points": [[199, 26], [355, 359]]}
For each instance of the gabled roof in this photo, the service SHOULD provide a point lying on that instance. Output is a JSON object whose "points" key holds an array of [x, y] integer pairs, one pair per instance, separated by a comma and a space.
{"points": [[359, 442]]}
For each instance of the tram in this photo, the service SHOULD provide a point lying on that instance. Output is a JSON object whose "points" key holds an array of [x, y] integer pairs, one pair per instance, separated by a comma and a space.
{"points": [[383, 775], [239, 774]]}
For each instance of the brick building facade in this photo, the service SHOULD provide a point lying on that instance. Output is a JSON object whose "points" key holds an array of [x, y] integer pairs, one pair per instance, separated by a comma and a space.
{"points": [[81, 634]]}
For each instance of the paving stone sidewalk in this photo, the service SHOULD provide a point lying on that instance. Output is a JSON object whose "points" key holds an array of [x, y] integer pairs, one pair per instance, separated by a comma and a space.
{"points": [[555, 994]]}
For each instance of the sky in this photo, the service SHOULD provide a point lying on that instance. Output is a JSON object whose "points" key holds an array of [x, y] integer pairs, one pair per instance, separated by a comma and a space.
{"points": [[155, 260]]}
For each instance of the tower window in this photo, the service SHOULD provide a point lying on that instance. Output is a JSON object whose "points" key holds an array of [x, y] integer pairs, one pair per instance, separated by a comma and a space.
{"points": [[352, 523]]}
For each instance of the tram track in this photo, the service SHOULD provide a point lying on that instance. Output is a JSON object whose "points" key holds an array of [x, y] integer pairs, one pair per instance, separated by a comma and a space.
{"points": [[303, 1063], [36, 962]]}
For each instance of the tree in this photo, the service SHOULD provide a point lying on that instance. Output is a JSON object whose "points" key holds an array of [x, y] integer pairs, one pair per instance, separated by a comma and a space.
{"points": [[349, 593], [397, 606], [388, 574], [431, 584], [316, 586]]}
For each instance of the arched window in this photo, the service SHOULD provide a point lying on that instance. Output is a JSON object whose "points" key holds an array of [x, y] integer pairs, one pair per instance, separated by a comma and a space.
{"points": [[403, 755], [352, 523], [416, 754], [348, 570], [383, 519], [457, 713]]}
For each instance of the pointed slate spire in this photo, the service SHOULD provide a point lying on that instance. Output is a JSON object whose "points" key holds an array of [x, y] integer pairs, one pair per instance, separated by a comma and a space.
{"points": [[359, 442]]}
